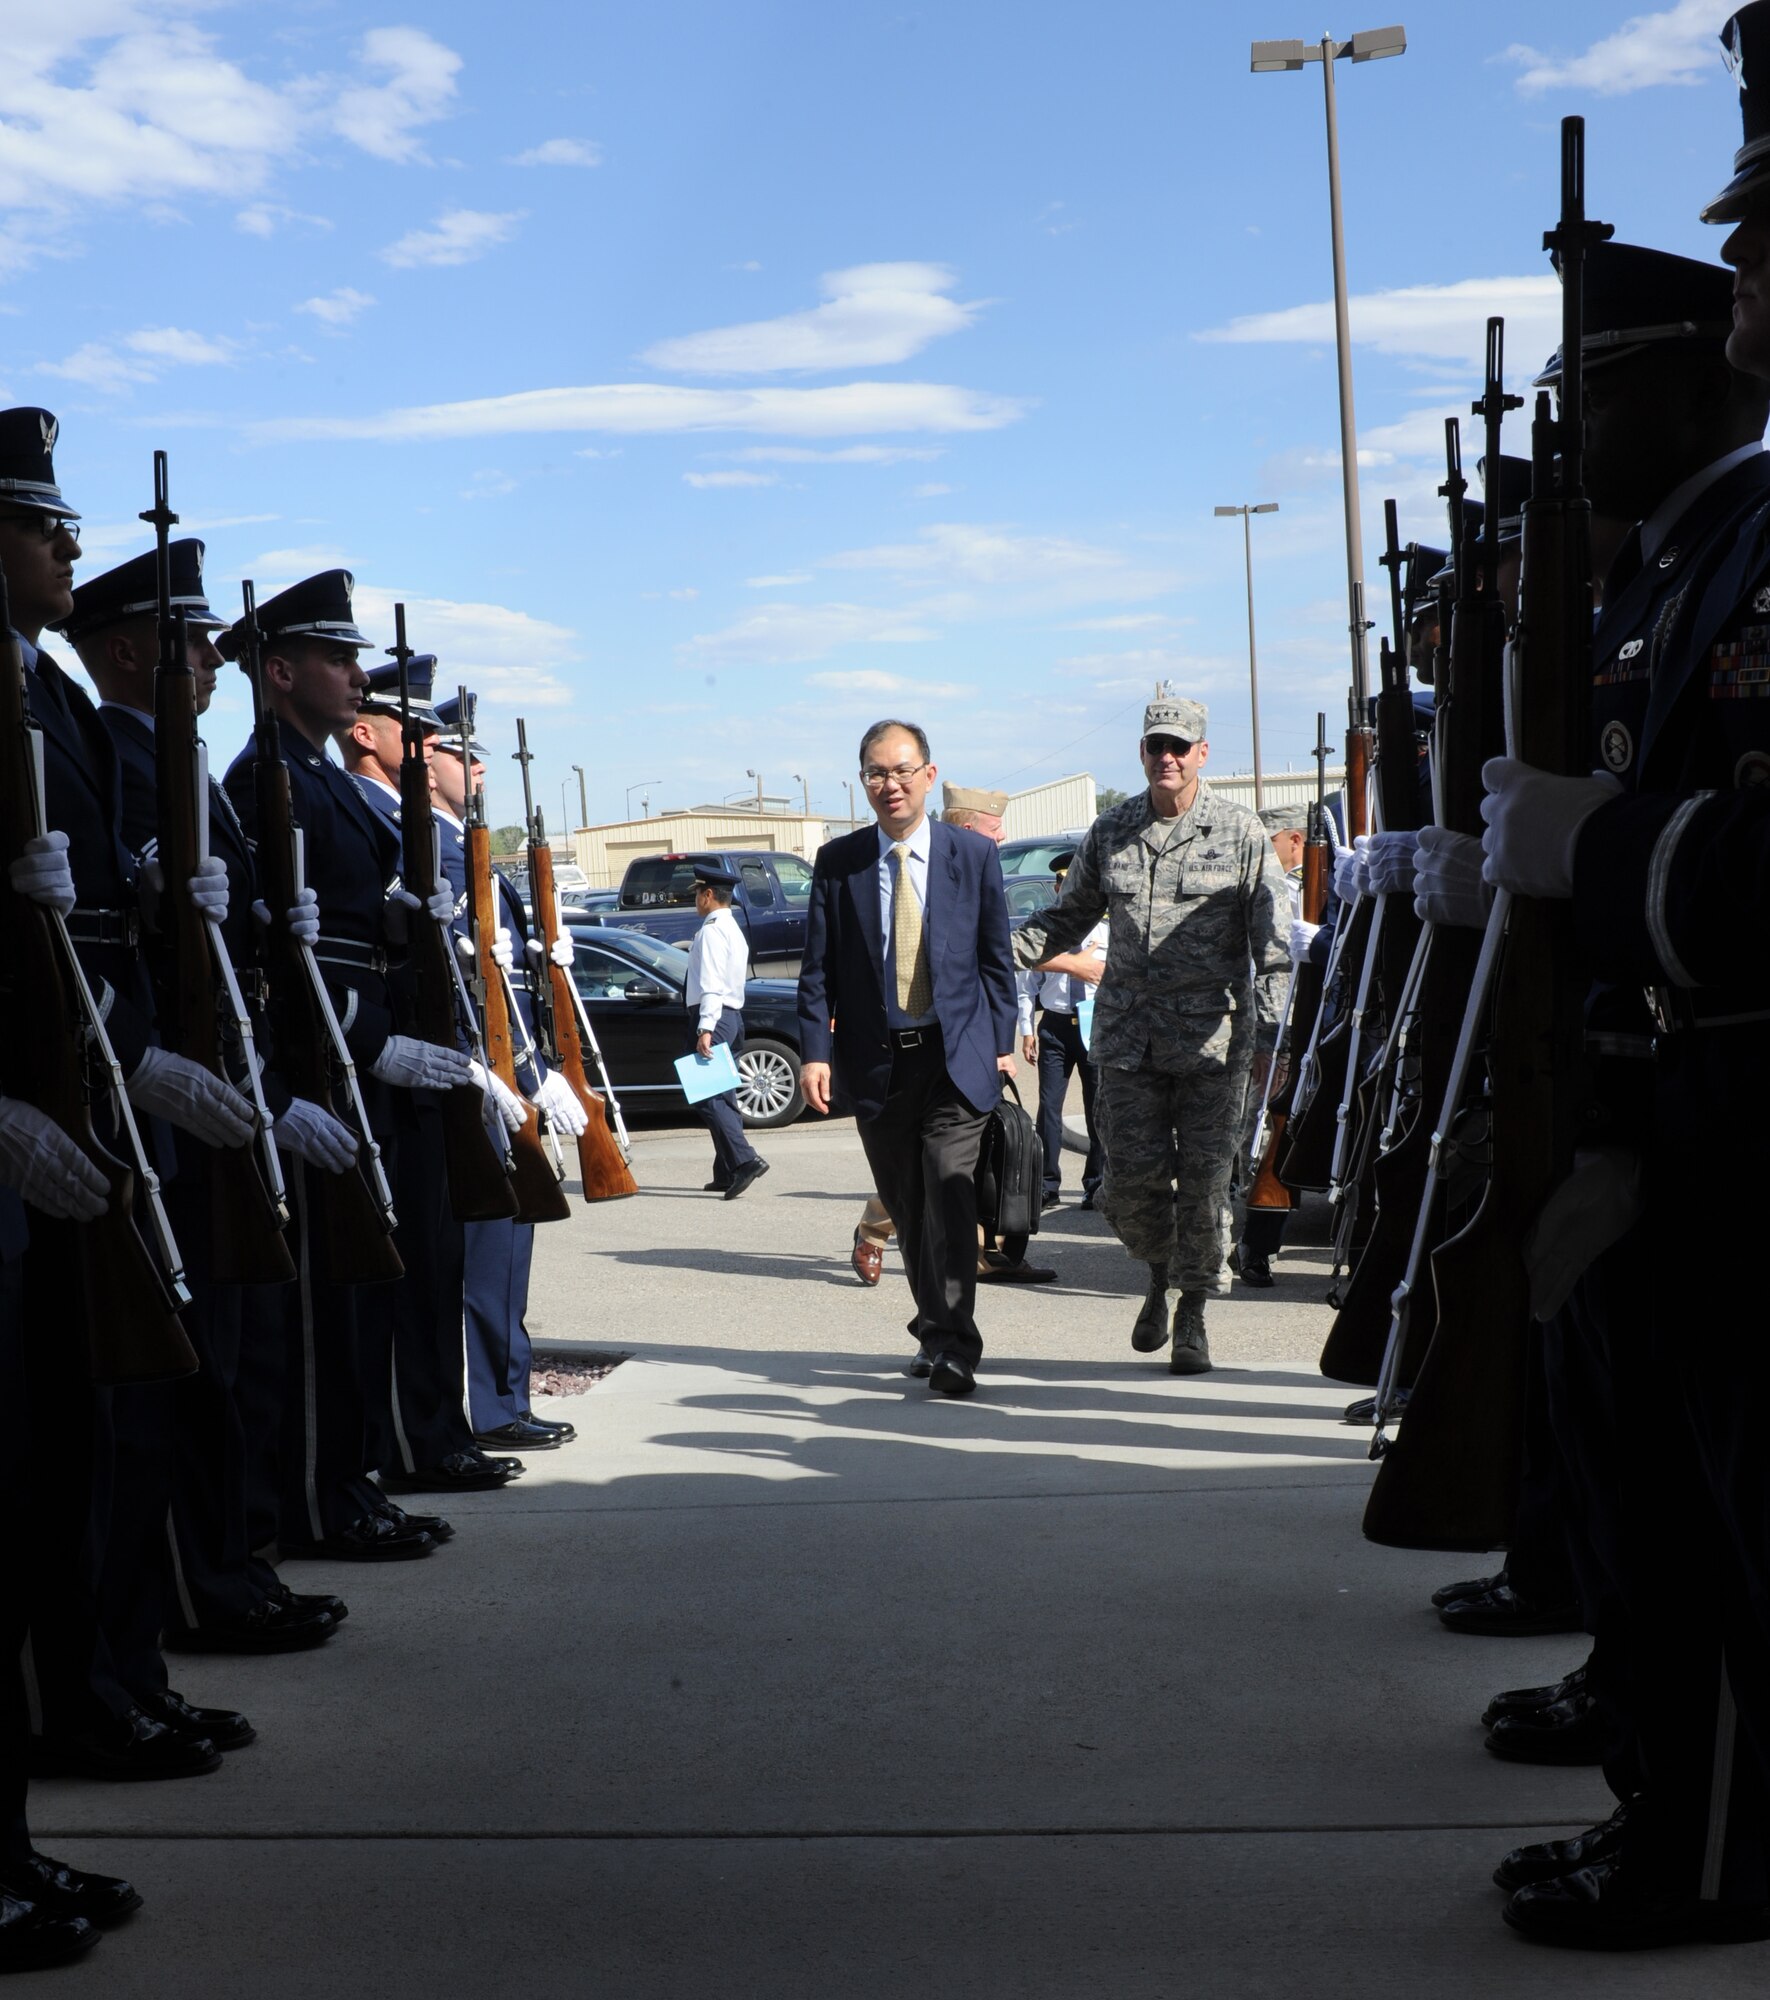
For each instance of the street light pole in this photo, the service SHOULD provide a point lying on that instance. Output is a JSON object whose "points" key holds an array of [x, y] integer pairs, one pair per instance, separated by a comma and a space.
{"points": [[1366, 46], [635, 786], [757, 775], [583, 797], [805, 782], [1247, 535]]}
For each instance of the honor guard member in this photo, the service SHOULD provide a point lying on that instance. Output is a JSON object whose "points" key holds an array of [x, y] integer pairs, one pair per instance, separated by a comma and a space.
{"points": [[89, 1723], [501, 1252], [183, 1447], [718, 970], [326, 1502], [1676, 1373], [215, 1588], [418, 1427], [1196, 960]]}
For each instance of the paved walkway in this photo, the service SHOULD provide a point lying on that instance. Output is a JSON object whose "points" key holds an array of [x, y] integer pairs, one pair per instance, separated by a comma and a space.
{"points": [[786, 1681]]}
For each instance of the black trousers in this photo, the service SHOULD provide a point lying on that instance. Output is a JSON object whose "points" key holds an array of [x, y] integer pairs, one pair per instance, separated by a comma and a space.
{"points": [[1061, 1054], [17, 1504], [922, 1147], [721, 1115]]}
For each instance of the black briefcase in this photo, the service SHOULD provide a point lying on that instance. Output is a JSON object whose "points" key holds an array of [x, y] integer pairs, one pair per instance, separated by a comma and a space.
{"points": [[1010, 1170]]}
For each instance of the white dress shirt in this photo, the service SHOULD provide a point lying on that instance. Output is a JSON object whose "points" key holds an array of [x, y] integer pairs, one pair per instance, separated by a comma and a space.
{"points": [[920, 844], [718, 966], [1059, 992]]}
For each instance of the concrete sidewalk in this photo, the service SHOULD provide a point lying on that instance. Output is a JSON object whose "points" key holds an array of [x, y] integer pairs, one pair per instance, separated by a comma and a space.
{"points": [[787, 1680]]}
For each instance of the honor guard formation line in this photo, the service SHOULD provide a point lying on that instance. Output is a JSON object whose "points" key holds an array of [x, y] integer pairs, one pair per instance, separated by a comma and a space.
{"points": [[290, 1076]]}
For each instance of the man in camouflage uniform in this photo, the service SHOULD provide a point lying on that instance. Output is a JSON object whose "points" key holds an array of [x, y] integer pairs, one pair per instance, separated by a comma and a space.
{"points": [[1196, 957]]}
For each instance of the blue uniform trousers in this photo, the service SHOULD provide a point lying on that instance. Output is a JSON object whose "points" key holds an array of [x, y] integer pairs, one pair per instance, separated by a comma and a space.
{"points": [[499, 1255], [1060, 1054], [721, 1115]]}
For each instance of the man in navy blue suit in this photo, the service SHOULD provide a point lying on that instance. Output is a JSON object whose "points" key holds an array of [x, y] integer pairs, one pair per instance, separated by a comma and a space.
{"points": [[906, 1003]]}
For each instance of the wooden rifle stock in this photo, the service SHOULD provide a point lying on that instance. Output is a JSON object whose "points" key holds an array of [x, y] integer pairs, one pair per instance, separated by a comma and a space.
{"points": [[606, 1176], [479, 1186], [1451, 1480], [348, 1217], [130, 1304], [247, 1208]]}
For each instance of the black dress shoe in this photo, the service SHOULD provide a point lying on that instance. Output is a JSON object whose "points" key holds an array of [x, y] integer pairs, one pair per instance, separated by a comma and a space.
{"points": [[1089, 1200], [922, 1366], [1476, 1586], [33, 1939], [1501, 1614], [335, 1608], [950, 1377], [746, 1176], [1545, 1860], [1517, 1701], [61, 1891], [1256, 1269], [432, 1525], [271, 1626], [1051, 1201], [1606, 1906], [713, 1187], [226, 1728], [460, 1472], [135, 1747], [520, 1434], [563, 1431], [1572, 1731], [370, 1538]]}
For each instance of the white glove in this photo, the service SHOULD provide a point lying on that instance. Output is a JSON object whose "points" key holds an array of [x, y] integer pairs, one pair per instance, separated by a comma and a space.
{"points": [[565, 950], [503, 1106], [303, 920], [1448, 888], [1390, 859], [1302, 937], [560, 1102], [1351, 877], [45, 1166], [186, 1095], [316, 1137], [503, 950], [411, 1064], [465, 952], [41, 872], [1533, 822], [440, 902], [208, 890]]}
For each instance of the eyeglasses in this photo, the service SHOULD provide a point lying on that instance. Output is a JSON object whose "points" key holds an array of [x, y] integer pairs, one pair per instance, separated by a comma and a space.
{"points": [[876, 780], [48, 526], [1166, 746]]}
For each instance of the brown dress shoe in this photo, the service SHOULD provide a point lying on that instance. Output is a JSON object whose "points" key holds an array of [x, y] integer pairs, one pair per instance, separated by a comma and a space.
{"points": [[868, 1260]]}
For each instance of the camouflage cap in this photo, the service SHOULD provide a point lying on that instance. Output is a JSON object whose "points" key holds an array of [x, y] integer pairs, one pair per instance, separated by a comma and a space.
{"points": [[1285, 819], [1171, 716], [968, 798]]}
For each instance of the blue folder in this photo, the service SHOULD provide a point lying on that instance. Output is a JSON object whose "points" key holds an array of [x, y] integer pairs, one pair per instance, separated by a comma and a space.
{"points": [[707, 1076]]}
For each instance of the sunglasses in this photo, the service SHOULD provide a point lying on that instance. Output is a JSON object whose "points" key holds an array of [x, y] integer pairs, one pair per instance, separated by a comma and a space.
{"points": [[1166, 746]]}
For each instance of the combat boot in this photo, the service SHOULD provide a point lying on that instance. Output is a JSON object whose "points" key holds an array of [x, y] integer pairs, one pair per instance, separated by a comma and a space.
{"points": [[1192, 1351], [1150, 1334]]}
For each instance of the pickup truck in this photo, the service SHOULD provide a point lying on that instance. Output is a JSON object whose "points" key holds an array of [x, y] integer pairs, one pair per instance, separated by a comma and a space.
{"points": [[772, 894]]}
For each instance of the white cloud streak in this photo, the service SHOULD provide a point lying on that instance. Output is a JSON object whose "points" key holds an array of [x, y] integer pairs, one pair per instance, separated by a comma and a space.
{"points": [[1680, 45], [561, 153], [458, 237], [142, 356], [637, 408], [1430, 323], [338, 309], [415, 86], [873, 315], [785, 635], [848, 454], [706, 479], [866, 680]]}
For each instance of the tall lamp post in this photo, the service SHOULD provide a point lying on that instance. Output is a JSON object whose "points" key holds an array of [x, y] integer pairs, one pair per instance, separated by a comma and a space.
{"points": [[757, 775], [1369, 45], [583, 797], [805, 783], [632, 788], [1247, 537]]}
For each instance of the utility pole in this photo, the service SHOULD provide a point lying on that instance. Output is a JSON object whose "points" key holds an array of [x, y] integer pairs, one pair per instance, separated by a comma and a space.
{"points": [[1247, 535], [583, 797]]}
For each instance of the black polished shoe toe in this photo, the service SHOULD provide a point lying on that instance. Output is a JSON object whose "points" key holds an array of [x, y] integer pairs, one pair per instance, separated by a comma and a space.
{"points": [[520, 1435], [373, 1537], [61, 1891], [948, 1377], [1523, 1701], [460, 1472], [1501, 1613], [226, 1728], [562, 1430], [33, 1939], [306, 1602], [1450, 1593], [746, 1177], [432, 1525], [1546, 1860], [273, 1625], [1565, 1732], [134, 1748], [1607, 1907]]}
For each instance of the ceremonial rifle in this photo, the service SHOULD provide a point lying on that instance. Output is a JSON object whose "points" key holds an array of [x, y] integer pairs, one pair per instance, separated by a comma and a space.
{"points": [[479, 1184], [1302, 995], [539, 1196], [1451, 1478], [564, 1023], [55, 1054], [202, 1011], [349, 1216]]}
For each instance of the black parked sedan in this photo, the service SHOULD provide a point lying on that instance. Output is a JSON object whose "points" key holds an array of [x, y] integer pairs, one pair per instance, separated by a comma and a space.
{"points": [[633, 990]]}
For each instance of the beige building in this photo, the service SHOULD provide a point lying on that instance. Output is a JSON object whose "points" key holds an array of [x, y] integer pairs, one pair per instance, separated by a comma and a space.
{"points": [[603, 852]]}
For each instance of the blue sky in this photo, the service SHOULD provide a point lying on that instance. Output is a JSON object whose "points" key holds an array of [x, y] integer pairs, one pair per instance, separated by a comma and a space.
{"points": [[711, 379]]}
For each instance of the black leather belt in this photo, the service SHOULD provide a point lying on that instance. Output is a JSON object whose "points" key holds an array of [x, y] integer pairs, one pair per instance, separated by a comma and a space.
{"points": [[915, 1038], [353, 952], [119, 927]]}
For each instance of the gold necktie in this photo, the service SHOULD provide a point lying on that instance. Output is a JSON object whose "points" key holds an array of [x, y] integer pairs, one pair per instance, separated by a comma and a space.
{"points": [[915, 994]]}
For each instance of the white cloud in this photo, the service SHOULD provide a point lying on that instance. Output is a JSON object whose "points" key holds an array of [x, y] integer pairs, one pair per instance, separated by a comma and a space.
{"points": [[265, 218], [637, 408], [339, 308], [848, 454], [704, 479], [1126, 621], [1433, 323], [969, 554], [142, 356], [561, 153], [488, 484], [874, 315], [455, 238], [1138, 670], [687, 594], [1677, 46], [864, 680], [416, 87], [933, 489], [785, 582], [784, 635], [512, 660]]}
